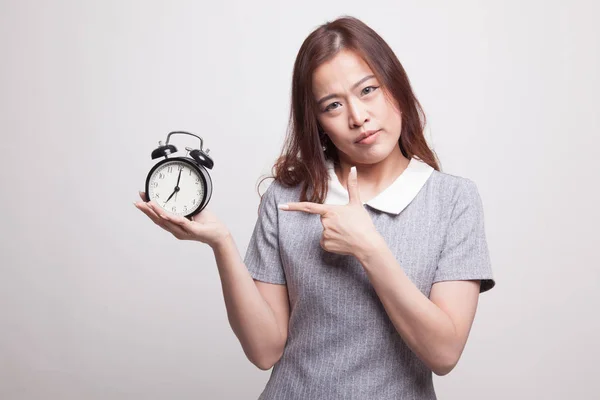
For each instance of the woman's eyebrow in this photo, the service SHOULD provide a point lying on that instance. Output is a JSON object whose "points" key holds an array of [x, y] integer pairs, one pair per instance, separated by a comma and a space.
{"points": [[331, 96]]}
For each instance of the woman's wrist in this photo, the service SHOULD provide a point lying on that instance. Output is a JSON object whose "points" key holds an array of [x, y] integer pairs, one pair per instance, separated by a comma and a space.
{"points": [[221, 241]]}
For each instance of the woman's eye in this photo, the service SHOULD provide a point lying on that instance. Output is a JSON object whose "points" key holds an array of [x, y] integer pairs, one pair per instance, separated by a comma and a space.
{"points": [[370, 87], [329, 106], [364, 92]]}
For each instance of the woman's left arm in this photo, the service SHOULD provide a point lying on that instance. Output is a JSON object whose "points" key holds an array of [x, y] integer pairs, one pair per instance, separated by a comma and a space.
{"points": [[435, 328]]}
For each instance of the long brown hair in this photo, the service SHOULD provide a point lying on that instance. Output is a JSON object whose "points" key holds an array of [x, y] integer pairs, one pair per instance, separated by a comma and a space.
{"points": [[302, 160]]}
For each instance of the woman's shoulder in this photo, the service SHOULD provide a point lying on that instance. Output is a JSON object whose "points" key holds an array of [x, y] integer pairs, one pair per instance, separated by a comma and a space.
{"points": [[453, 188], [274, 189], [451, 182]]}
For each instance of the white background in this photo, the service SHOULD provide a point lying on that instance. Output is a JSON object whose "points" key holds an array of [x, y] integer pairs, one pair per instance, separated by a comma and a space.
{"points": [[96, 302]]}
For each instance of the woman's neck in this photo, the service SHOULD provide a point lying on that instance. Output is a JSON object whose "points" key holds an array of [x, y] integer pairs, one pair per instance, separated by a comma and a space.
{"points": [[373, 178]]}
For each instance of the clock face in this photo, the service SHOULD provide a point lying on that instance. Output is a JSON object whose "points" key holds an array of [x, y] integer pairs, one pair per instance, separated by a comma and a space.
{"points": [[177, 187]]}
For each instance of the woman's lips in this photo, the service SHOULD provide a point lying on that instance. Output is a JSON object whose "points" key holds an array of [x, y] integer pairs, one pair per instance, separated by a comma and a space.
{"points": [[370, 139]]}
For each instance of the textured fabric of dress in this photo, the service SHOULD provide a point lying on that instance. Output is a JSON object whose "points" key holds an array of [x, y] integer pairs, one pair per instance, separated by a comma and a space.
{"points": [[341, 343]]}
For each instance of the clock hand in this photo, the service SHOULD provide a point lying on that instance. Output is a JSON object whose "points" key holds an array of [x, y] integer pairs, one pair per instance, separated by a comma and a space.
{"points": [[174, 191], [179, 177], [176, 186]]}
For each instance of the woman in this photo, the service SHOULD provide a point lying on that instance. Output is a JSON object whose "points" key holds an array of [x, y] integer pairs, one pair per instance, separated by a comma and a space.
{"points": [[363, 271]]}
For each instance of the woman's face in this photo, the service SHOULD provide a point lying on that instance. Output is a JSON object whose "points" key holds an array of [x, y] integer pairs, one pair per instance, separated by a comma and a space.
{"points": [[350, 102]]}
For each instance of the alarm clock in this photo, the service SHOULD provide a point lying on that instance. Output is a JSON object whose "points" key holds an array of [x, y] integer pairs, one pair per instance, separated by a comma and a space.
{"points": [[180, 185]]}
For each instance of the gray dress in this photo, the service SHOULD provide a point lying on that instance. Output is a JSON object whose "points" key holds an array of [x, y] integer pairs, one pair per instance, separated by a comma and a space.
{"points": [[341, 343]]}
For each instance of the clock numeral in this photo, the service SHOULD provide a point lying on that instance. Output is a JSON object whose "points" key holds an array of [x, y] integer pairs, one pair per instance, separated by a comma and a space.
{"points": [[161, 176], [154, 184], [190, 172], [174, 209], [184, 208], [194, 201], [170, 169], [157, 196]]}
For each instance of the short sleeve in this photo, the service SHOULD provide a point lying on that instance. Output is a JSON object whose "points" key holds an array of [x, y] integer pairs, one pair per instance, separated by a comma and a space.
{"points": [[262, 258], [465, 255]]}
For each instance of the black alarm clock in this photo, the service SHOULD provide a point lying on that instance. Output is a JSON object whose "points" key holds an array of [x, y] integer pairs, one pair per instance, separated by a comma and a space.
{"points": [[180, 185]]}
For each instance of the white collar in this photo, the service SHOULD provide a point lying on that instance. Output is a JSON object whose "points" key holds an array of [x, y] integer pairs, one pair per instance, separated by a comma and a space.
{"points": [[395, 197]]}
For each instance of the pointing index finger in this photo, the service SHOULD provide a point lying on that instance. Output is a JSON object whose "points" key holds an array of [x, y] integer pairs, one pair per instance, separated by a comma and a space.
{"points": [[306, 206]]}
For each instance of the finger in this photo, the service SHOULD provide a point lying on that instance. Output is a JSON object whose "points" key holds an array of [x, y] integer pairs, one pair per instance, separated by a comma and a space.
{"points": [[353, 194], [142, 195], [148, 211], [182, 222], [165, 221], [159, 211], [154, 214], [312, 208]]}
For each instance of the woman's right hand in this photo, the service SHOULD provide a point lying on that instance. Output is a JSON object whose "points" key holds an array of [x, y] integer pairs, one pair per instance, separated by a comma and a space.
{"points": [[204, 227]]}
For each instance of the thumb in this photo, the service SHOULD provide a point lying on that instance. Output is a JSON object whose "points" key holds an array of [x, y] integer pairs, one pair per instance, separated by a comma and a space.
{"points": [[353, 194]]}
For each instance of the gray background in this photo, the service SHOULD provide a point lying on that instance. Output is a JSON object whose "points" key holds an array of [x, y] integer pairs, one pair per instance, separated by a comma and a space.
{"points": [[96, 302]]}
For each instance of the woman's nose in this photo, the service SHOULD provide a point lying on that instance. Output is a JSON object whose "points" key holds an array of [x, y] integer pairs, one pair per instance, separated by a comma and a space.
{"points": [[358, 114]]}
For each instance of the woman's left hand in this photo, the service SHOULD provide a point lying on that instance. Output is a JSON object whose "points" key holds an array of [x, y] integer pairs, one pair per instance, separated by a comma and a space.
{"points": [[347, 229]]}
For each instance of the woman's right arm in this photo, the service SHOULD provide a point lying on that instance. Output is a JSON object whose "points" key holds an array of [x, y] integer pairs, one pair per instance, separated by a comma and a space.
{"points": [[258, 312]]}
